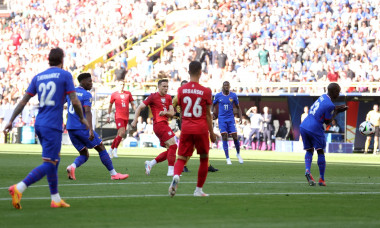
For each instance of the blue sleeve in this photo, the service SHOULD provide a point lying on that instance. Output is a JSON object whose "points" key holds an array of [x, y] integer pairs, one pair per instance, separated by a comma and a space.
{"points": [[87, 100], [329, 112], [32, 89], [69, 85], [236, 100], [216, 98]]}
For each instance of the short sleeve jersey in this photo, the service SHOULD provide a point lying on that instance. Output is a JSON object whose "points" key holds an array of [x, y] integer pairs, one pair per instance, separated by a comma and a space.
{"points": [[226, 111], [51, 85], [374, 117], [157, 104], [121, 101], [85, 99], [321, 110], [193, 100]]}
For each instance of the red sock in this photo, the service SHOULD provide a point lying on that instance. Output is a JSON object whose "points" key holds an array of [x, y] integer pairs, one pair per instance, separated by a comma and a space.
{"points": [[171, 154], [202, 172], [161, 157], [117, 141], [178, 167]]}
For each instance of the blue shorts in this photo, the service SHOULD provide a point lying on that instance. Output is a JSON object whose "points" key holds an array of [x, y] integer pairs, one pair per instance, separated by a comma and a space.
{"points": [[79, 139], [51, 140], [227, 126], [311, 140]]}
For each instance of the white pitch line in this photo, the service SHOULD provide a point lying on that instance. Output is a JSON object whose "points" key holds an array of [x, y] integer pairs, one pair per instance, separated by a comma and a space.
{"points": [[193, 182], [212, 194]]}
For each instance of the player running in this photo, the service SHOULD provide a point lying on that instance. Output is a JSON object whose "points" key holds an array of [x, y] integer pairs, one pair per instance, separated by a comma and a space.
{"points": [[322, 111], [121, 98], [226, 120], [161, 105], [81, 137], [177, 108], [195, 103], [51, 85]]}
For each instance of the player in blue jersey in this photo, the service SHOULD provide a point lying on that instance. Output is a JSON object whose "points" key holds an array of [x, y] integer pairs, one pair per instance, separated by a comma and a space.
{"points": [[323, 111], [51, 85], [226, 119], [83, 138]]}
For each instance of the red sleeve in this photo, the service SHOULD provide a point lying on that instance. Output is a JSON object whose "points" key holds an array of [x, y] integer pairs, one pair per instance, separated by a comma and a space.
{"points": [[170, 100], [208, 96], [130, 97], [112, 98], [179, 97], [148, 100]]}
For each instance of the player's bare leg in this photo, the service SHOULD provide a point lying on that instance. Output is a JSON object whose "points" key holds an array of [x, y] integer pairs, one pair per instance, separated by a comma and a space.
{"points": [[367, 142], [375, 145]]}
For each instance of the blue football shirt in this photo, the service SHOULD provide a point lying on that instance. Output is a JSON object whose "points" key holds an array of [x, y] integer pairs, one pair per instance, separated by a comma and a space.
{"points": [[85, 99], [226, 111], [51, 85], [321, 110]]}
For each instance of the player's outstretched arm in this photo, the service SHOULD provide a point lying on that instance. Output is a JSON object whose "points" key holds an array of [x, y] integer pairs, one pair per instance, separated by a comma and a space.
{"points": [[137, 114], [78, 108], [20, 106]]}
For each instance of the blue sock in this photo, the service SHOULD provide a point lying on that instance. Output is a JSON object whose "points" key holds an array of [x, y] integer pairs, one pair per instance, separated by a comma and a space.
{"points": [[106, 160], [37, 173], [52, 177], [322, 165], [237, 146], [308, 160], [225, 148], [80, 160]]}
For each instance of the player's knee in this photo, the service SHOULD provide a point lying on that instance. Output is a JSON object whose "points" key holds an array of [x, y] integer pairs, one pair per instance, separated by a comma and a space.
{"points": [[203, 156], [182, 157], [320, 151], [84, 152], [173, 147]]}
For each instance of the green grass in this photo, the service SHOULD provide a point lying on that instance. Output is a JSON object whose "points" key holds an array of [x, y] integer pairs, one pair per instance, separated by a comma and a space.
{"points": [[268, 190]]}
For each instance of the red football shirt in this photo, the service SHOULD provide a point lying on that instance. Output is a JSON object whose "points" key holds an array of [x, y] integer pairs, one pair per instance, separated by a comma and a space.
{"points": [[157, 104], [193, 100], [121, 101]]}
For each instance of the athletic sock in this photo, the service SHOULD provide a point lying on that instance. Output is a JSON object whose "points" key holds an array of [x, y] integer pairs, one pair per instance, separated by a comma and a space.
{"points": [[117, 141], [225, 148], [37, 173], [56, 197], [162, 157], [178, 167], [52, 177], [237, 146], [80, 160], [171, 154], [202, 172], [112, 172], [106, 160], [308, 160], [21, 186], [153, 163], [322, 165]]}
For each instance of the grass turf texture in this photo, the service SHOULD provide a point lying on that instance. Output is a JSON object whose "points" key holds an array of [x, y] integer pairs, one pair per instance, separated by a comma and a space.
{"points": [[268, 190]]}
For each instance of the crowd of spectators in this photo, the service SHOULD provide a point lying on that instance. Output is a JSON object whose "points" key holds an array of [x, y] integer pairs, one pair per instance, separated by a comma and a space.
{"points": [[85, 29], [248, 42]]}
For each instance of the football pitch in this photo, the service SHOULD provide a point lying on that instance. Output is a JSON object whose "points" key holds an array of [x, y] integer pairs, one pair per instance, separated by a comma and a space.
{"points": [[268, 190]]}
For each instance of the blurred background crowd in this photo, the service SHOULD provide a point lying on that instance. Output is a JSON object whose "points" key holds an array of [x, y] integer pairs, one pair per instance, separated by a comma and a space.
{"points": [[245, 42]]}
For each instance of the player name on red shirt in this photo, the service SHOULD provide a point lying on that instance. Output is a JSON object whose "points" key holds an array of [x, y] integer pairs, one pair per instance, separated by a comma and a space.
{"points": [[193, 99]]}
